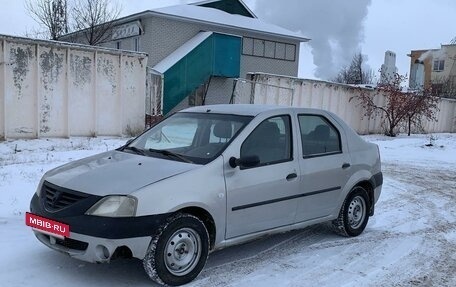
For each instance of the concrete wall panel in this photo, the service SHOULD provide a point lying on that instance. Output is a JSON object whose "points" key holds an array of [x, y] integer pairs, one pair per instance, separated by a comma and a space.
{"points": [[81, 93], [133, 88], [53, 95], [338, 99], [21, 101], [108, 95], [52, 89]]}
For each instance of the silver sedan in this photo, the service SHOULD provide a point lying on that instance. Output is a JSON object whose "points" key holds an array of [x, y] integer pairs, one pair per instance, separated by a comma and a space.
{"points": [[204, 179]]}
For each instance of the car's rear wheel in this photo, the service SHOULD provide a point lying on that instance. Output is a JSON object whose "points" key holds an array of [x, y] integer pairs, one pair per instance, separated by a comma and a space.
{"points": [[354, 214], [178, 253]]}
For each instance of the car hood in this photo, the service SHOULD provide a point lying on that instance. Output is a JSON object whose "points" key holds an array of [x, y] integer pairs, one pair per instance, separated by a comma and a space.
{"points": [[115, 172]]}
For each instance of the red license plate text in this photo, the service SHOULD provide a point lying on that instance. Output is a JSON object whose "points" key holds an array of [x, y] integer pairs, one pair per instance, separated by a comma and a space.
{"points": [[47, 225]]}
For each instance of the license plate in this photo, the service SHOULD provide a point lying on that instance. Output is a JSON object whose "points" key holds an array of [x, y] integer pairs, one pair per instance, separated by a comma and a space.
{"points": [[47, 226]]}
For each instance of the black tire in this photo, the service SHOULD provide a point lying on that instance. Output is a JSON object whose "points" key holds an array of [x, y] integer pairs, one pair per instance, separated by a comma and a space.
{"points": [[178, 252], [354, 214]]}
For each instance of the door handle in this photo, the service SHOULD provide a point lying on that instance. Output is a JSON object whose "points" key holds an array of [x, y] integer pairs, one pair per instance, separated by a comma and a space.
{"points": [[292, 176], [345, 165]]}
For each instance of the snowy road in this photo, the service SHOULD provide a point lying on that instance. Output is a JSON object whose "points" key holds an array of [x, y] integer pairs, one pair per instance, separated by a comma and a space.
{"points": [[411, 240]]}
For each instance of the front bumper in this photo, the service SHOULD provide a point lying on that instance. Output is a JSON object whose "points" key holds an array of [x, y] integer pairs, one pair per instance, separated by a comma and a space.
{"points": [[97, 238], [95, 249]]}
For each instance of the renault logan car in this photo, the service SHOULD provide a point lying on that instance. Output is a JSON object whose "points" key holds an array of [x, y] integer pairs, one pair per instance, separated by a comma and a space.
{"points": [[206, 178]]}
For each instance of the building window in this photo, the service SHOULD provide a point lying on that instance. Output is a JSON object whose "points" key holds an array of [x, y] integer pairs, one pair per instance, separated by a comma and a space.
{"points": [[247, 46], [268, 49], [258, 48], [118, 45], [280, 51], [290, 52], [136, 44], [439, 65]]}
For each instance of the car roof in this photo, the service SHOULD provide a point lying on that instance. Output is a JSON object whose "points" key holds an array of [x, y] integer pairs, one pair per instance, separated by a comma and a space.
{"points": [[245, 109]]}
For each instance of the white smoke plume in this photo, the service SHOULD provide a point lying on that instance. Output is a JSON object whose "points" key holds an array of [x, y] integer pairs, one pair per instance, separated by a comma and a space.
{"points": [[434, 54], [336, 28]]}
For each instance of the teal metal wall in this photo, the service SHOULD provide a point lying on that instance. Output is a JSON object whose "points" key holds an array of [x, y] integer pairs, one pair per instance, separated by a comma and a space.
{"points": [[218, 55]]}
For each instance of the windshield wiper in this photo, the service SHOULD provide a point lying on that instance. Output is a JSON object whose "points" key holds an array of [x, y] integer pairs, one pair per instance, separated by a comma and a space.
{"points": [[171, 154], [135, 149]]}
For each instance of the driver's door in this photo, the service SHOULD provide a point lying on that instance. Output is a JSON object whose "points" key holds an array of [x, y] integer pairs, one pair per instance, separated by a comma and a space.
{"points": [[263, 197]]}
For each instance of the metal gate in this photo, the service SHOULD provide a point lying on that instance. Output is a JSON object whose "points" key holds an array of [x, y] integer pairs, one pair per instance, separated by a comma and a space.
{"points": [[154, 97]]}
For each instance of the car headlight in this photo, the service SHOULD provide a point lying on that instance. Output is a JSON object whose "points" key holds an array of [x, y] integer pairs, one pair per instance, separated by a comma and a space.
{"points": [[114, 206]]}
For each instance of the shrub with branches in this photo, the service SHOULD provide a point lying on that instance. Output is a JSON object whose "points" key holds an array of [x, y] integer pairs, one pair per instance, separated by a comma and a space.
{"points": [[423, 104], [400, 106]]}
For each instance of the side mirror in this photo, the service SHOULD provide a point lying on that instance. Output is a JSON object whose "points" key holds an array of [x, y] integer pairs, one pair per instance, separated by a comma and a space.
{"points": [[245, 162]]}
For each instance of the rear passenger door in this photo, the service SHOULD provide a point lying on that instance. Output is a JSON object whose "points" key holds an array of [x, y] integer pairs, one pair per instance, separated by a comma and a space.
{"points": [[324, 164]]}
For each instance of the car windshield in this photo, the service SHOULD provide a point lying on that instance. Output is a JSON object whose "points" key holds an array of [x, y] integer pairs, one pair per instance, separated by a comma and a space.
{"points": [[189, 137]]}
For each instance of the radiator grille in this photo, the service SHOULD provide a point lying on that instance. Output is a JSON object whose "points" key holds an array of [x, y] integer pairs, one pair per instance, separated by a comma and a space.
{"points": [[57, 198]]}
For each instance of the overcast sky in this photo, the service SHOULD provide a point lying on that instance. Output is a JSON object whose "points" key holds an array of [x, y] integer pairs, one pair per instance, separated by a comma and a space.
{"points": [[399, 26]]}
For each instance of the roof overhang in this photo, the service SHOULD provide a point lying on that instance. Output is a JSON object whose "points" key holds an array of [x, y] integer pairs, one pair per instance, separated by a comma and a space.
{"points": [[153, 13], [214, 24]]}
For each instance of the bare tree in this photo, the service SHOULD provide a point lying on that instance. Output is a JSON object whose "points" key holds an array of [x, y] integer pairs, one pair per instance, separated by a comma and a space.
{"points": [[94, 18], [355, 73], [400, 107], [49, 14]]}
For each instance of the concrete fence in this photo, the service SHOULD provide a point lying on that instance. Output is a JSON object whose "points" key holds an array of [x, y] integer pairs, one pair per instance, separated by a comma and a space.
{"points": [[54, 89], [280, 90]]}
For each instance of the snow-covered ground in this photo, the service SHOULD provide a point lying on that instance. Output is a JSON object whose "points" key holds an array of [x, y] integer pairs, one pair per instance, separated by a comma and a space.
{"points": [[411, 240]]}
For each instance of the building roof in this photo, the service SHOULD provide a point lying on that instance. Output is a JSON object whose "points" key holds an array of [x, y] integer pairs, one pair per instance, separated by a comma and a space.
{"points": [[212, 17], [220, 18], [230, 6]]}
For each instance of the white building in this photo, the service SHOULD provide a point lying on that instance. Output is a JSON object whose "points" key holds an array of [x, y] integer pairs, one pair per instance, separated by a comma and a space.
{"points": [[388, 68]]}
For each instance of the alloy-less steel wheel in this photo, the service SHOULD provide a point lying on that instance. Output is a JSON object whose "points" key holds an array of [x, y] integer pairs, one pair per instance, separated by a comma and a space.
{"points": [[178, 253], [182, 252], [354, 214]]}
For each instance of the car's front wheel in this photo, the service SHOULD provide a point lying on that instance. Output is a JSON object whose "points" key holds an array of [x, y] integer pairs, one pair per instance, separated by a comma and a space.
{"points": [[354, 214], [178, 253]]}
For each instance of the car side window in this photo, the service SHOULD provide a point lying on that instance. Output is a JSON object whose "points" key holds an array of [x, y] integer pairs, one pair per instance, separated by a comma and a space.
{"points": [[270, 141], [318, 136]]}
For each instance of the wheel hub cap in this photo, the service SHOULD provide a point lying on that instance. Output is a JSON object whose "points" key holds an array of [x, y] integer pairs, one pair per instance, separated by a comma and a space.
{"points": [[356, 212], [183, 251]]}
